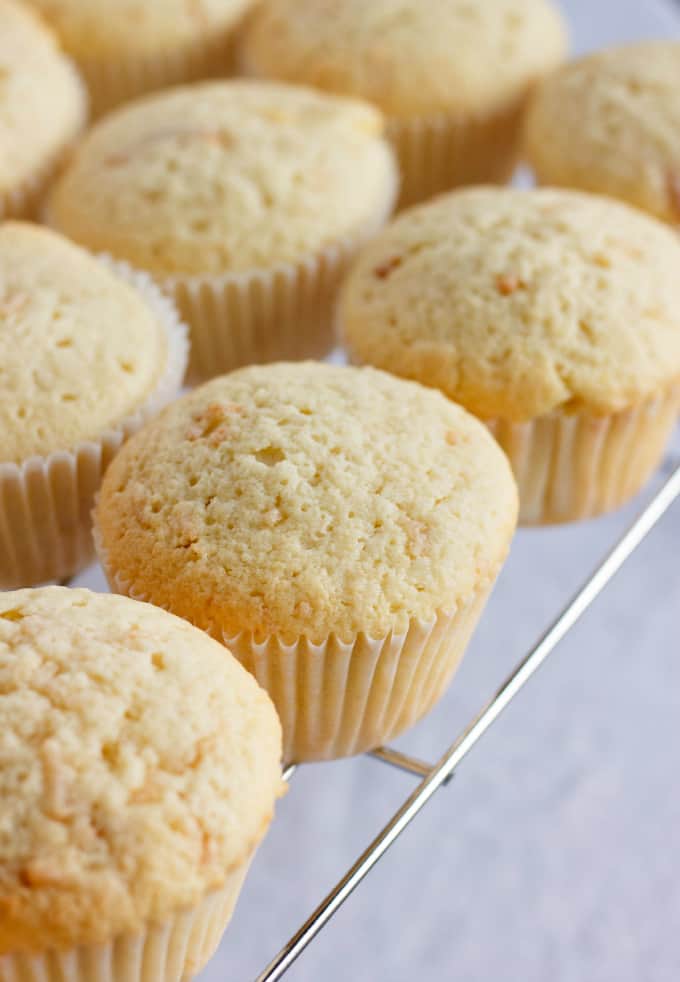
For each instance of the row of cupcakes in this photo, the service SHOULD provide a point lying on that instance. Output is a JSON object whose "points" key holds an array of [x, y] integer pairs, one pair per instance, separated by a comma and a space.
{"points": [[424, 65], [550, 315], [606, 123], [338, 529]]}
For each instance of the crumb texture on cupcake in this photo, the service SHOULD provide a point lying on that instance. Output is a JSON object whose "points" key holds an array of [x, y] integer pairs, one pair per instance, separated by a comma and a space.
{"points": [[305, 500], [610, 122], [95, 28], [225, 177], [411, 58], [43, 101], [80, 349], [140, 764], [517, 303]]}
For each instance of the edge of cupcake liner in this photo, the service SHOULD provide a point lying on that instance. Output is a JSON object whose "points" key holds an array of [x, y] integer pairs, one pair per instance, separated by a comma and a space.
{"points": [[174, 949], [578, 466], [45, 500], [359, 692]]}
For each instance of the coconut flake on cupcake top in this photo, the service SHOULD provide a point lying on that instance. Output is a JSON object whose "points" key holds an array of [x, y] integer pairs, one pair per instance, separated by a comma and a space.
{"points": [[226, 177]]}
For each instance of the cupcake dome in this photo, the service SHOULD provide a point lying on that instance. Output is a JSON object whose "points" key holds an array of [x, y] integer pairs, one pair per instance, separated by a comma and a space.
{"points": [[225, 176], [86, 355], [308, 502], [140, 770], [245, 199], [610, 123], [410, 58], [127, 48], [521, 304], [420, 63], [80, 350], [43, 108]]}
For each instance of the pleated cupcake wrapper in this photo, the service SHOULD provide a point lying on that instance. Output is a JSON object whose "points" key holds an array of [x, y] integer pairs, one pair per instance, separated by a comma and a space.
{"points": [[282, 314], [340, 698], [575, 467], [443, 152], [24, 201], [130, 77], [46, 502], [172, 951]]}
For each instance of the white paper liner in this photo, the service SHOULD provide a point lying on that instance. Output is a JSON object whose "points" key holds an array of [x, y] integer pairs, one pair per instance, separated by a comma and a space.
{"points": [[341, 698], [24, 200], [571, 467], [130, 76], [46, 502], [285, 313], [173, 951], [442, 152]]}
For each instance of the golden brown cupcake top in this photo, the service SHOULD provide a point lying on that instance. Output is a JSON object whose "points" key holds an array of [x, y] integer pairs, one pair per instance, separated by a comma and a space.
{"points": [[610, 122], [139, 766], [80, 348], [93, 28], [410, 57], [516, 303], [43, 103], [308, 500], [227, 176]]}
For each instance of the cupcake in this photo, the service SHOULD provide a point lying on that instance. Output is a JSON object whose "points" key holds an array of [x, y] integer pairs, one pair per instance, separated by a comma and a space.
{"points": [[340, 530], [245, 200], [88, 351], [127, 48], [554, 316], [44, 107], [610, 123], [140, 766], [452, 76]]}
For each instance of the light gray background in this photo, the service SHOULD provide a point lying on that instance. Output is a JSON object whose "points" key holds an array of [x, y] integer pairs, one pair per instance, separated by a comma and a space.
{"points": [[555, 854]]}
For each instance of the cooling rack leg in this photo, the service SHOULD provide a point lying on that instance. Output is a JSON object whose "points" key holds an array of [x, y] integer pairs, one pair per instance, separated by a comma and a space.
{"points": [[443, 770], [402, 762]]}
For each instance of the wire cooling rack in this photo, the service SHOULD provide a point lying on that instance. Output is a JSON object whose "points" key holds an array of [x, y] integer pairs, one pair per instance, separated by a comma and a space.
{"points": [[434, 776]]}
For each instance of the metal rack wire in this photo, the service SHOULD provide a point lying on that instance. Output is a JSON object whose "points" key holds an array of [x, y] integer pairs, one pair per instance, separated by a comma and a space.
{"points": [[434, 776]]}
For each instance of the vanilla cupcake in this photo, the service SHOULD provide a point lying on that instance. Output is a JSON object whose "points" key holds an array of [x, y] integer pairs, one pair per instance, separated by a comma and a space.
{"points": [[340, 530], [610, 123], [43, 108], [452, 76], [245, 200], [127, 48], [552, 315], [140, 766], [88, 352]]}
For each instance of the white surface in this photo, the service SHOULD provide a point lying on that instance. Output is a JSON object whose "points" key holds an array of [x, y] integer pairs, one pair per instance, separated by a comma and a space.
{"points": [[553, 856]]}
